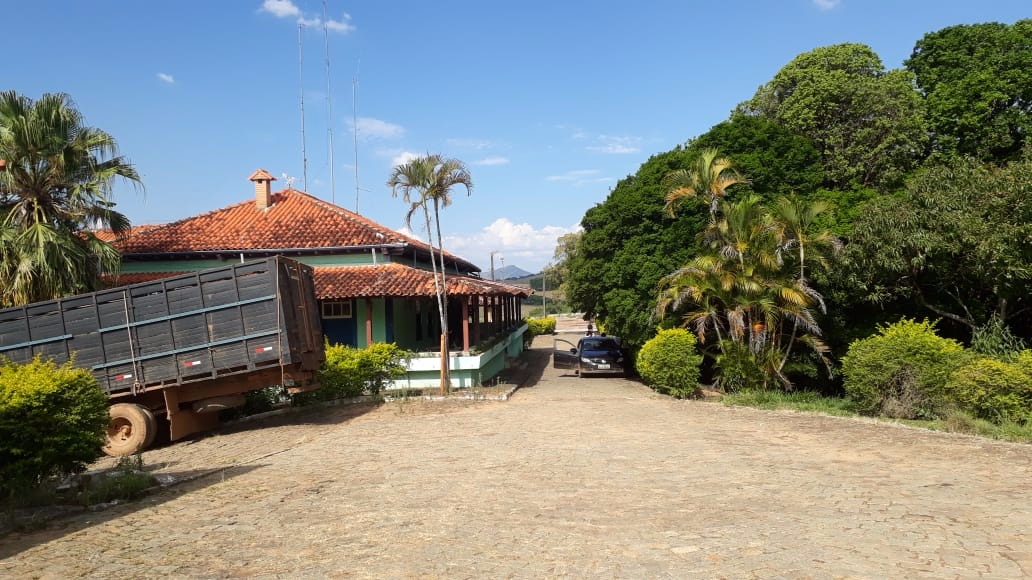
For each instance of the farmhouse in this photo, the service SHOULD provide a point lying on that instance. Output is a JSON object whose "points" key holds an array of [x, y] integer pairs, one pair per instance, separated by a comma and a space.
{"points": [[374, 284]]}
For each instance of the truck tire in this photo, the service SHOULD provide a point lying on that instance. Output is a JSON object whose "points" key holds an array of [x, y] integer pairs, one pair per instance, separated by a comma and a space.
{"points": [[132, 428]]}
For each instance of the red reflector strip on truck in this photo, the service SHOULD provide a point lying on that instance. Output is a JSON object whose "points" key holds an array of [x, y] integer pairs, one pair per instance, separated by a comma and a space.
{"points": [[263, 349], [192, 363], [122, 377]]}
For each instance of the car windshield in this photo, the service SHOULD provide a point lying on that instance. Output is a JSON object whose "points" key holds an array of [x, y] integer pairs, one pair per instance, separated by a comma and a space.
{"points": [[600, 344]]}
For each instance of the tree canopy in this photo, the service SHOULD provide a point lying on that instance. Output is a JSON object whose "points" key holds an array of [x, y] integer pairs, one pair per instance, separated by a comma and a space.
{"points": [[867, 123], [977, 81], [958, 242]]}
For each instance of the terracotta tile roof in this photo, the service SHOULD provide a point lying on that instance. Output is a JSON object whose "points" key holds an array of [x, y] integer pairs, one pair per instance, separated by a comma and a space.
{"points": [[110, 236], [391, 279], [398, 280], [261, 174], [295, 221]]}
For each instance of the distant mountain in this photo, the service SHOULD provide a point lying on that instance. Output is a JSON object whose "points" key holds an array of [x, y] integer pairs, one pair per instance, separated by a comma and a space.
{"points": [[508, 273]]}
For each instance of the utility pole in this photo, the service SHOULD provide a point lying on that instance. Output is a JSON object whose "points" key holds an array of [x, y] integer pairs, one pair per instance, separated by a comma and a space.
{"points": [[544, 291], [492, 265]]}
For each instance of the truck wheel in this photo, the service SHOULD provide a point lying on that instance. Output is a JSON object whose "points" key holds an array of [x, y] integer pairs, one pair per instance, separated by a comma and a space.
{"points": [[132, 428]]}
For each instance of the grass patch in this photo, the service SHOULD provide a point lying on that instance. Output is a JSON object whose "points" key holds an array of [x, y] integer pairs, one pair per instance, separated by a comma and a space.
{"points": [[797, 401], [808, 401]]}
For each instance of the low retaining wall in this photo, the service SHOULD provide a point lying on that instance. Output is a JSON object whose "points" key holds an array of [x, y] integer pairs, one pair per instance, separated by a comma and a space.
{"points": [[466, 370]]}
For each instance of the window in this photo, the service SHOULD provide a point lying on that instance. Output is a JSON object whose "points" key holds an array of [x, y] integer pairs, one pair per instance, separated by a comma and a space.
{"points": [[336, 309]]}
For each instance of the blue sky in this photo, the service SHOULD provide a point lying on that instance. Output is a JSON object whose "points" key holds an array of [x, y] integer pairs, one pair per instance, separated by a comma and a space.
{"points": [[548, 102]]}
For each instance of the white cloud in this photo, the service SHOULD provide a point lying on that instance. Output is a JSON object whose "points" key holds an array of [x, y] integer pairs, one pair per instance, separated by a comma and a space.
{"points": [[616, 144], [521, 245], [492, 161], [165, 77], [371, 128], [287, 9], [403, 158], [827, 4], [281, 8], [405, 230]]}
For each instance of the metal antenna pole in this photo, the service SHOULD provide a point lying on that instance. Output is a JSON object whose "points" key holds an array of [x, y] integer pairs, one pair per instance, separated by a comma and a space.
{"points": [[354, 125], [329, 104], [301, 77]]}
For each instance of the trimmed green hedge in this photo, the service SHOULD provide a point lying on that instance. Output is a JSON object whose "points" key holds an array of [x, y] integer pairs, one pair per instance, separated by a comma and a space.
{"points": [[995, 389], [53, 420], [350, 372], [669, 363], [538, 327], [902, 371]]}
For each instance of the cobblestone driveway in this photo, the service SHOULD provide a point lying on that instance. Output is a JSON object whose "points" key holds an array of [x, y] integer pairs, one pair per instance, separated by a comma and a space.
{"points": [[570, 478]]}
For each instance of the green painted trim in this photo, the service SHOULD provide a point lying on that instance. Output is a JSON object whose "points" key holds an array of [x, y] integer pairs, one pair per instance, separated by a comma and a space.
{"points": [[172, 266]]}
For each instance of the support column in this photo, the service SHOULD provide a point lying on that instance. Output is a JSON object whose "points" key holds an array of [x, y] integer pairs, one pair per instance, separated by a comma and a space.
{"points": [[476, 319], [465, 323], [369, 321]]}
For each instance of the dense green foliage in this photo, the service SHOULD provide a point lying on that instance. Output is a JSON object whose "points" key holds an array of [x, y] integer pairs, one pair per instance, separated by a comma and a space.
{"points": [[977, 81], [52, 422], [55, 191], [538, 327], [669, 363], [957, 242], [351, 372], [903, 371], [995, 389], [868, 123], [881, 154]]}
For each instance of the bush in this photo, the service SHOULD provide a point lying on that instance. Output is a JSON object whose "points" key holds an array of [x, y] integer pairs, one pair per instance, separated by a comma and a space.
{"points": [[902, 371], [737, 369], [538, 327], [994, 389], [350, 372], [53, 420], [669, 363]]}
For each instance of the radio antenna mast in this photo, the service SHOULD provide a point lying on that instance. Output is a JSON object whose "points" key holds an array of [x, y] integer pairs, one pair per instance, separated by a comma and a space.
{"points": [[329, 104], [354, 124], [301, 77]]}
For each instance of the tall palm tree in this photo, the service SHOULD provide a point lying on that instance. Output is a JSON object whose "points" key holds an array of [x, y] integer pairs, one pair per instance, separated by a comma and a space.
{"points": [[796, 221], [740, 290], [708, 177], [422, 182], [54, 191]]}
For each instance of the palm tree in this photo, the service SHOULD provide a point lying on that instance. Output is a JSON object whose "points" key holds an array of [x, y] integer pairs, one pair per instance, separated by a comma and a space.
{"points": [[741, 292], [796, 222], [709, 176], [55, 189], [426, 181]]}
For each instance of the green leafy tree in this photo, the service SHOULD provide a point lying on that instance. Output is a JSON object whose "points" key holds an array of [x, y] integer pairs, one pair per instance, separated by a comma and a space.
{"points": [[55, 190], [977, 81], [867, 123], [958, 243], [424, 183]]}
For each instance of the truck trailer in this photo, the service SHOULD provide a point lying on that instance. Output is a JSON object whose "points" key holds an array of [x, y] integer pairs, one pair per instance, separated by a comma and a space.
{"points": [[171, 353]]}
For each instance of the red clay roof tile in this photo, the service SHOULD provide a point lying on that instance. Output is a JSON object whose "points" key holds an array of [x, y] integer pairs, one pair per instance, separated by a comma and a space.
{"points": [[295, 221], [385, 280]]}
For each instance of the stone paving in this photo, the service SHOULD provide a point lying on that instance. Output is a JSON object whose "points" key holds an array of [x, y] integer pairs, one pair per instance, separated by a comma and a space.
{"points": [[569, 478]]}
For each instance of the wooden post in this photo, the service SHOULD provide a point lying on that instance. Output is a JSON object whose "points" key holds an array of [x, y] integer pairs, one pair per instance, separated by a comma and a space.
{"points": [[369, 321], [465, 323], [476, 319]]}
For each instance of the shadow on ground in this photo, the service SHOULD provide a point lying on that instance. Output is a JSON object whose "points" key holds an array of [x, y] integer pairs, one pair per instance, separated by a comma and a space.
{"points": [[18, 540]]}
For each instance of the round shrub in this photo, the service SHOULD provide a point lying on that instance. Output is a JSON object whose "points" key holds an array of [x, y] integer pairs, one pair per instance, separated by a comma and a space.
{"points": [[902, 371], [53, 419], [669, 363], [350, 372], [993, 389]]}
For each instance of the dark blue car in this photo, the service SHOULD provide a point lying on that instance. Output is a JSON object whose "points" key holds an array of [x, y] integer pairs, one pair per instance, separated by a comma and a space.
{"points": [[591, 355]]}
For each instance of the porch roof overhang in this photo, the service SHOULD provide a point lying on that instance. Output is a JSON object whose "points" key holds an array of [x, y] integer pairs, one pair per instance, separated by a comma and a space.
{"points": [[391, 280], [400, 281]]}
